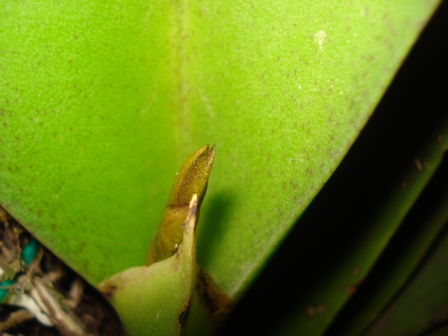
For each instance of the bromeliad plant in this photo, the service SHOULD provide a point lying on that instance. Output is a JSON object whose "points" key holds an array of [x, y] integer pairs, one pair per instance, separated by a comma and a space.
{"points": [[101, 102]]}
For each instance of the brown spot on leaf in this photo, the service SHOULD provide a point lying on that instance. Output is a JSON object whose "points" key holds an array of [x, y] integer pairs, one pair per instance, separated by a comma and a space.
{"points": [[108, 290], [311, 311], [217, 302], [176, 263], [351, 290], [439, 316], [418, 164], [183, 316], [404, 184]]}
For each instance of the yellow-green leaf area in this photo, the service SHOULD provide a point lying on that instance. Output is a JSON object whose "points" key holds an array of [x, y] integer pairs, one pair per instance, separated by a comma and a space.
{"points": [[102, 101], [84, 158]]}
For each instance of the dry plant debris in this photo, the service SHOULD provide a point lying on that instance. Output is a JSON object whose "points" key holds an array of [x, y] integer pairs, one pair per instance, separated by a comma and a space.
{"points": [[58, 301]]}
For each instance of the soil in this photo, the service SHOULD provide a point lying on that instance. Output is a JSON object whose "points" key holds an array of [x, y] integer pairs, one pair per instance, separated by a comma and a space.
{"points": [[81, 303]]}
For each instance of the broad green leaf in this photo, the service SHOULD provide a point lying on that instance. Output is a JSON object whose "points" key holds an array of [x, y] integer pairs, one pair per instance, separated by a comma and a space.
{"points": [[324, 262], [102, 101], [86, 160], [309, 80]]}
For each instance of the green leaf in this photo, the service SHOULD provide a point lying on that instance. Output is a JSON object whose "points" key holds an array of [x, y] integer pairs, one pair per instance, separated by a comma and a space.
{"points": [[440, 331], [87, 162], [328, 255], [351, 235], [156, 299], [102, 101], [422, 303], [400, 259]]}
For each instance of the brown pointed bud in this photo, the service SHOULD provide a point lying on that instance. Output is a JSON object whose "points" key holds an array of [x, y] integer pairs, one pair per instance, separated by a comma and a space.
{"points": [[191, 179]]}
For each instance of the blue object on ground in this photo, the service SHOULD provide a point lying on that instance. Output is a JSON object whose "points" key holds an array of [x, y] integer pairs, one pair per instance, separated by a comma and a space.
{"points": [[29, 251], [4, 291]]}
